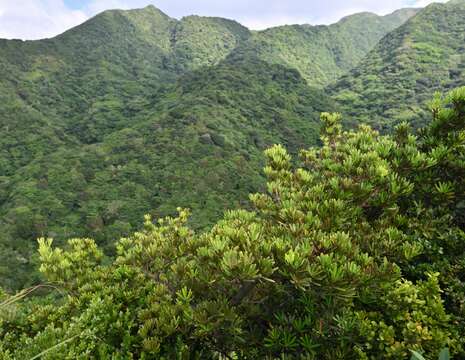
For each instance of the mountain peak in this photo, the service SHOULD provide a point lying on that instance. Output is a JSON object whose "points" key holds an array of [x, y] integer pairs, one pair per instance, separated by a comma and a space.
{"points": [[357, 16], [404, 13], [147, 11], [397, 17], [150, 9]]}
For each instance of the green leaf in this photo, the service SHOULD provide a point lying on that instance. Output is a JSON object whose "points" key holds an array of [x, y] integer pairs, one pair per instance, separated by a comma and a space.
{"points": [[416, 356], [444, 354]]}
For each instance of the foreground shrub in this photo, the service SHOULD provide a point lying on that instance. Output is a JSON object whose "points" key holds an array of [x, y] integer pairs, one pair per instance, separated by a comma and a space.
{"points": [[344, 257]]}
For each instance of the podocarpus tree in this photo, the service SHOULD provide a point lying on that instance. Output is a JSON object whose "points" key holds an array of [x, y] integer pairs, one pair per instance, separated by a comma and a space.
{"points": [[342, 258]]}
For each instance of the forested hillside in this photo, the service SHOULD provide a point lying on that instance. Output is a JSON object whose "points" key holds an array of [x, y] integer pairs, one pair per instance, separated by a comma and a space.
{"points": [[355, 252], [310, 235], [396, 79], [134, 112], [322, 54]]}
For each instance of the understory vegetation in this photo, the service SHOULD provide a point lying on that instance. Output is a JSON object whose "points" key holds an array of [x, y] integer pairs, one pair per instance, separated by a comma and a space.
{"points": [[355, 251]]}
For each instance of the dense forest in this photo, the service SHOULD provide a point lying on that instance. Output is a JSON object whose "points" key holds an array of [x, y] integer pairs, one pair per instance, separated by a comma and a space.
{"points": [[354, 252], [393, 83], [192, 189], [134, 112]]}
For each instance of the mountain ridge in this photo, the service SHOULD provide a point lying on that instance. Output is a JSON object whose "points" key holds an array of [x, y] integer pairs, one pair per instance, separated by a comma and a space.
{"points": [[157, 11], [424, 55], [105, 122]]}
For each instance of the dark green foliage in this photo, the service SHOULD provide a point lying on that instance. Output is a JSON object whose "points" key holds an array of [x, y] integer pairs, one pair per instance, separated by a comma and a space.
{"points": [[395, 81], [354, 250], [444, 139], [199, 143], [345, 256], [322, 54], [135, 112], [200, 41]]}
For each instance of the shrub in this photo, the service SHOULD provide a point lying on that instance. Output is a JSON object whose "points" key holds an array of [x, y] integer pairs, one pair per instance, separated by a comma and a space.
{"points": [[342, 258]]}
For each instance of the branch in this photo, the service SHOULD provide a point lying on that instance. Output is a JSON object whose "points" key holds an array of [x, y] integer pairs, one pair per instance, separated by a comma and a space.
{"points": [[243, 292]]}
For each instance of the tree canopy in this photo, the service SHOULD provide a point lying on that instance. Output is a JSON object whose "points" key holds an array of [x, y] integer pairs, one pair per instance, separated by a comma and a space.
{"points": [[355, 251]]}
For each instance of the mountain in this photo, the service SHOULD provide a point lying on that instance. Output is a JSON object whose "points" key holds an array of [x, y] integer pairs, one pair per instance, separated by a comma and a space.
{"points": [[396, 80], [199, 146], [322, 53], [134, 112], [89, 81]]}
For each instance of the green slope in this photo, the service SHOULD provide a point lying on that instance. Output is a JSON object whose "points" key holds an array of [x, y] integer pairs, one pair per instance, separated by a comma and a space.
{"points": [[401, 74], [135, 112], [90, 78], [199, 144], [198, 41], [323, 53]]}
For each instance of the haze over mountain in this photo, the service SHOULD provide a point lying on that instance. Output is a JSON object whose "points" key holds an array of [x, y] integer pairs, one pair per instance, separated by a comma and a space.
{"points": [[134, 112]]}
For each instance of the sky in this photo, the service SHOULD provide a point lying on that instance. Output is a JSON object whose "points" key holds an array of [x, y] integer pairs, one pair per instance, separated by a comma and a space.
{"points": [[37, 19]]}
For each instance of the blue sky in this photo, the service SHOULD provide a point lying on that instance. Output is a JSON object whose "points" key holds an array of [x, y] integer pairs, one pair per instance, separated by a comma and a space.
{"points": [[36, 19], [76, 4]]}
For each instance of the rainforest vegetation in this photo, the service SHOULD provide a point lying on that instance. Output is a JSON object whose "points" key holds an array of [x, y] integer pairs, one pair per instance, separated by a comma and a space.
{"points": [[191, 189]]}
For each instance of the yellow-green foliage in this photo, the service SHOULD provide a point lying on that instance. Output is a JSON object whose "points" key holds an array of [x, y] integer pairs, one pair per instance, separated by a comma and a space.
{"points": [[134, 112], [354, 252]]}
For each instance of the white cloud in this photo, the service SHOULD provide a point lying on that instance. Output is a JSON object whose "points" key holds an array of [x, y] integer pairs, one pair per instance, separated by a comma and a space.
{"points": [[323, 12], [97, 6], [423, 3], [36, 19], [265, 23]]}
